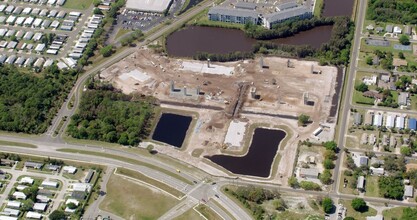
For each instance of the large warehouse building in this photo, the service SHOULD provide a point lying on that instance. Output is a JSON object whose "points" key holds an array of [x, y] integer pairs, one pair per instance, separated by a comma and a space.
{"points": [[158, 6]]}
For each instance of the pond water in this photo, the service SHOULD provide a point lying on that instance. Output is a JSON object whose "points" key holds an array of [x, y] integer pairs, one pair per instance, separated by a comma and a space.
{"points": [[259, 159], [338, 8], [172, 129]]}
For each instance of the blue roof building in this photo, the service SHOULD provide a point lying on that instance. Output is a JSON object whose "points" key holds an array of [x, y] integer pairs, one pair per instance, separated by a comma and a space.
{"points": [[412, 124]]}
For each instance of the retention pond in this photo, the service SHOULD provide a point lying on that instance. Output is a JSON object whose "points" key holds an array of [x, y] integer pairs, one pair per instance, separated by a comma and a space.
{"points": [[260, 156], [172, 129]]}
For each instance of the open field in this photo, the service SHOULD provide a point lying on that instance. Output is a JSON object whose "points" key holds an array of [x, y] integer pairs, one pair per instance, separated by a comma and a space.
{"points": [[134, 200], [372, 186], [393, 213], [141, 177], [357, 215], [78, 4]]}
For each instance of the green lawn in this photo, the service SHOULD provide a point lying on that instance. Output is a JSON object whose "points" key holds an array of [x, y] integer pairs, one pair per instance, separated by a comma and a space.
{"points": [[139, 176], [17, 144], [78, 4], [357, 215], [318, 8], [190, 214], [122, 32], [130, 200], [393, 213], [371, 186], [347, 190], [358, 98]]}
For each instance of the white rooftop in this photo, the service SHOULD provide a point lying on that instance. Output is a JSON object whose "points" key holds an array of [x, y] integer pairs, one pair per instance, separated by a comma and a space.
{"points": [[148, 5]]}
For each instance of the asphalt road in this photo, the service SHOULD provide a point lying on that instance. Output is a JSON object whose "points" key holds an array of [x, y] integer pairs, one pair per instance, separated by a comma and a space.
{"points": [[349, 91]]}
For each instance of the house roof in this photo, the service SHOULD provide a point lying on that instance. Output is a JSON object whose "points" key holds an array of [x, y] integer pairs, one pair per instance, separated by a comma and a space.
{"points": [[233, 12], [399, 62], [361, 182], [285, 14], [412, 123], [309, 171], [408, 190]]}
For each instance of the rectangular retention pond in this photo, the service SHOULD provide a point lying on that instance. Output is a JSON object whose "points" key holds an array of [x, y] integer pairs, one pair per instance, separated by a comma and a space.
{"points": [[260, 156], [172, 129]]}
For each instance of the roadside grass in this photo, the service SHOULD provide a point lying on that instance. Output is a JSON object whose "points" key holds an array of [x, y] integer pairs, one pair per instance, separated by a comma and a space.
{"points": [[131, 200], [61, 123], [222, 208], [289, 215], [356, 215], [372, 186], [71, 102], [76, 176], [121, 32], [78, 4], [197, 152], [190, 214], [207, 212], [125, 159], [393, 213], [17, 144], [318, 7], [146, 179]]}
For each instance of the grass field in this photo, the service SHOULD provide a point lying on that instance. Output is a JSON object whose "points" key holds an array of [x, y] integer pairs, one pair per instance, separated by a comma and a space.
{"points": [[17, 144], [190, 214], [372, 186], [130, 200], [357, 215], [347, 190], [318, 8], [128, 160], [208, 212], [393, 213], [139, 176], [78, 4], [122, 32]]}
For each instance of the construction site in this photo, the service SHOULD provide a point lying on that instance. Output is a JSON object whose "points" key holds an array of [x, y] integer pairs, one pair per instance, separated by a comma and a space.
{"points": [[233, 98]]}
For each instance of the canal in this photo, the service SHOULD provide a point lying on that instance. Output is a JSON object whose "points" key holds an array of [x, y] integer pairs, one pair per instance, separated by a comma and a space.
{"points": [[172, 129], [260, 156]]}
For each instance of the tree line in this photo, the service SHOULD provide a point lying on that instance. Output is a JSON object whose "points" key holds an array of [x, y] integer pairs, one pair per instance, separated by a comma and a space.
{"points": [[106, 114], [394, 11]]}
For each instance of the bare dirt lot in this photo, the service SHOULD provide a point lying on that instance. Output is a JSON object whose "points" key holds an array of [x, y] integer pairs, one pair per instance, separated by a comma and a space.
{"points": [[273, 94]]}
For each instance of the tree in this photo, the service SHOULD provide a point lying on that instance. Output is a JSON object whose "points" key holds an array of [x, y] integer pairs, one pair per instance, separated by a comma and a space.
{"points": [[293, 182], [328, 164], [150, 148], [329, 154], [404, 40], [330, 145], [327, 205], [57, 215], [326, 177], [369, 61], [359, 205], [391, 187], [349, 218], [71, 205], [97, 11], [279, 204], [401, 55], [406, 151], [308, 185], [362, 87], [96, 3], [303, 119], [409, 213], [107, 51]]}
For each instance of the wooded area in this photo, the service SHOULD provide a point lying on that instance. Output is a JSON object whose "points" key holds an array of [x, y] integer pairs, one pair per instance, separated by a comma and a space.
{"points": [[106, 114], [28, 102], [394, 11]]}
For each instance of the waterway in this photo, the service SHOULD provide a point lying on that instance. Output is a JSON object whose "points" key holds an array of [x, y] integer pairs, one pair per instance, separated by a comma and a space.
{"points": [[338, 8], [259, 159]]}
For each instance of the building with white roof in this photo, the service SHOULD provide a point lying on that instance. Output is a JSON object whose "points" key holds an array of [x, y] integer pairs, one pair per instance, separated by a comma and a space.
{"points": [[378, 120], [55, 24], [19, 195], [50, 184], [2, 7], [399, 122], [40, 47], [20, 20], [28, 22], [27, 180], [38, 36], [27, 10], [42, 198], [10, 212], [81, 187], [11, 19], [21, 187], [37, 22], [13, 204], [69, 169], [33, 215], [390, 121], [7, 218], [40, 206]]}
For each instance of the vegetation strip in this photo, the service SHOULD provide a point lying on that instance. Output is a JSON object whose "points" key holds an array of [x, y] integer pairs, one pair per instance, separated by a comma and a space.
{"points": [[17, 144], [146, 179], [128, 160]]}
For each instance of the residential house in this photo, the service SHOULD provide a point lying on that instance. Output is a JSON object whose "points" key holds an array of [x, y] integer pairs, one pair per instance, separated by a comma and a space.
{"points": [[408, 191], [311, 173], [361, 184]]}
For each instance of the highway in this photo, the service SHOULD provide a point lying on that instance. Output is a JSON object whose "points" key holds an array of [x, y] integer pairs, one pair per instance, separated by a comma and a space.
{"points": [[349, 86]]}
